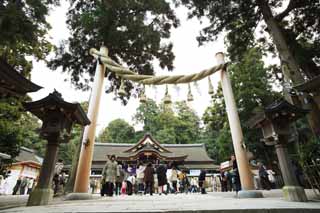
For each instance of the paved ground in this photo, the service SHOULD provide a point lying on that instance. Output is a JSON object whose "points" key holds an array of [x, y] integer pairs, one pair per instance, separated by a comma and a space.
{"points": [[212, 202]]}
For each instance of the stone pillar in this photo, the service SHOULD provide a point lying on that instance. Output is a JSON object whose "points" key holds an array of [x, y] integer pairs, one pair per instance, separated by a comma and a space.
{"points": [[43, 193], [84, 166], [291, 191]]}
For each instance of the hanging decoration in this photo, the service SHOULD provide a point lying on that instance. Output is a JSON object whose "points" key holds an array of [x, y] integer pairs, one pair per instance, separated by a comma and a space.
{"points": [[122, 91], [143, 98], [196, 85], [155, 91], [167, 97], [211, 91], [190, 96], [177, 89]]}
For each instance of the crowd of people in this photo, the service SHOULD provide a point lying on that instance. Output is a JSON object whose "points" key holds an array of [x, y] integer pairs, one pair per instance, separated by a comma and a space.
{"points": [[23, 186], [145, 178]]}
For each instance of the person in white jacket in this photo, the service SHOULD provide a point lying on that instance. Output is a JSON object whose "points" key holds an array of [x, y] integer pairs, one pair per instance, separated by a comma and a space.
{"points": [[140, 177], [174, 178]]}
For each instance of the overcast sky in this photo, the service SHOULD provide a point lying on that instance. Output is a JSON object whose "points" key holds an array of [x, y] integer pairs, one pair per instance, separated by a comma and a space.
{"points": [[189, 59]]}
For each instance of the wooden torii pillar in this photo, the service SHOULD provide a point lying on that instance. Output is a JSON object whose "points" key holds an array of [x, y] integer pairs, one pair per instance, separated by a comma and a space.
{"points": [[85, 160], [245, 173]]}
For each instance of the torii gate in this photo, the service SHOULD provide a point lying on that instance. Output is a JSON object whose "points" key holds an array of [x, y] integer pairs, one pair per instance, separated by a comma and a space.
{"points": [[85, 160]]}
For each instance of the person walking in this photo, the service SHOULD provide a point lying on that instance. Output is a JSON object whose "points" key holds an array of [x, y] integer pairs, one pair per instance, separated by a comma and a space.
{"points": [[140, 177], [235, 174], [162, 178], [193, 185], [224, 181], [2, 183], [174, 178], [263, 175], [17, 186], [30, 185], [119, 180], [131, 181], [202, 179], [184, 182], [110, 172], [148, 179], [23, 186]]}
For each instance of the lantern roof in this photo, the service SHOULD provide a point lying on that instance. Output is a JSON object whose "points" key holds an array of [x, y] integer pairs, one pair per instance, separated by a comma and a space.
{"points": [[280, 110], [309, 86], [55, 101], [13, 83]]}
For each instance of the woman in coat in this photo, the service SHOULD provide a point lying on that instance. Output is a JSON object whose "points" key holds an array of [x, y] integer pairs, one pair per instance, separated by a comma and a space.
{"points": [[148, 178], [162, 178], [110, 173]]}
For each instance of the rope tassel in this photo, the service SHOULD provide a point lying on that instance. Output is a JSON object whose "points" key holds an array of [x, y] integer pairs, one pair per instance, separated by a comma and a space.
{"points": [[143, 98], [211, 91], [190, 96], [122, 91], [167, 97]]}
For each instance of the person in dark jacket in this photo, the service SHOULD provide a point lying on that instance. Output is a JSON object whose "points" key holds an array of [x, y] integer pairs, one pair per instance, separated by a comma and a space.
{"points": [[162, 178], [236, 177], [17, 186], [148, 179], [263, 175], [224, 181], [202, 179]]}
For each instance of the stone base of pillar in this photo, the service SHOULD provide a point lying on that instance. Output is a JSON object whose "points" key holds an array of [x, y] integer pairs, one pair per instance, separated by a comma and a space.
{"points": [[79, 196], [294, 193], [40, 197], [250, 194]]}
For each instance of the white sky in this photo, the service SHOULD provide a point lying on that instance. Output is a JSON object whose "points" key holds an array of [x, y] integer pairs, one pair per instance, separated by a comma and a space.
{"points": [[189, 59]]}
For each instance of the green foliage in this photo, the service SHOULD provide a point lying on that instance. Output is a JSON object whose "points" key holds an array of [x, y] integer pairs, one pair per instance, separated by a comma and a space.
{"points": [[118, 131], [17, 128], [135, 32], [179, 125], [69, 150], [241, 20], [252, 89], [23, 31]]}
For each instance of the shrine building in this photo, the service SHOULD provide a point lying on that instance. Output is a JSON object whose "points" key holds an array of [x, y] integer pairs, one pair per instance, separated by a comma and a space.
{"points": [[191, 157]]}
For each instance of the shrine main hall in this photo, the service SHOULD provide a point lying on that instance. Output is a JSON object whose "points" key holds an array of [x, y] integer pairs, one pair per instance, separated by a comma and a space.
{"points": [[190, 157]]}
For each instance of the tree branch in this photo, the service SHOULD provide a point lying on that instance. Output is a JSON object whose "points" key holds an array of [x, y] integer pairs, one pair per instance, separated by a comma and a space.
{"points": [[293, 4]]}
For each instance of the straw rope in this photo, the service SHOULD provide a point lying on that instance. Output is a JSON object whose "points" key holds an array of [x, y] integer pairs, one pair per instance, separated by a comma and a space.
{"points": [[150, 79]]}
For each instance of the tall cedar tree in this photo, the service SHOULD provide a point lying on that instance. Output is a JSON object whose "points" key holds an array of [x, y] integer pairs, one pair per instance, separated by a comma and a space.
{"points": [[294, 28], [23, 31], [135, 32]]}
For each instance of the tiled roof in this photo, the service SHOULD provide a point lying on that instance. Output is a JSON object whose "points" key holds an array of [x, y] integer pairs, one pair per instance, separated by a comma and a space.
{"points": [[194, 152], [28, 155]]}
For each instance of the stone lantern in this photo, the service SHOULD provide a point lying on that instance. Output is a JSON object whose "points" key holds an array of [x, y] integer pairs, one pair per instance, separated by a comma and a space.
{"points": [[275, 123], [57, 118]]}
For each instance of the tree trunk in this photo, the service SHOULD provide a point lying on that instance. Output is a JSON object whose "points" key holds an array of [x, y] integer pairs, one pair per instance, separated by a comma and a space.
{"points": [[288, 61], [73, 170]]}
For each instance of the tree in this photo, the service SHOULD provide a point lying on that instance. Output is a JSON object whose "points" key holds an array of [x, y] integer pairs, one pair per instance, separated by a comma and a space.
{"points": [[252, 89], [135, 32], [69, 151], [24, 30], [176, 125], [118, 131], [188, 126], [294, 34], [18, 128], [147, 114]]}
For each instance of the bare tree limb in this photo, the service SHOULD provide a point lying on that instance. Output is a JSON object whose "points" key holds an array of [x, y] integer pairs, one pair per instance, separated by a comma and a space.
{"points": [[293, 4]]}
